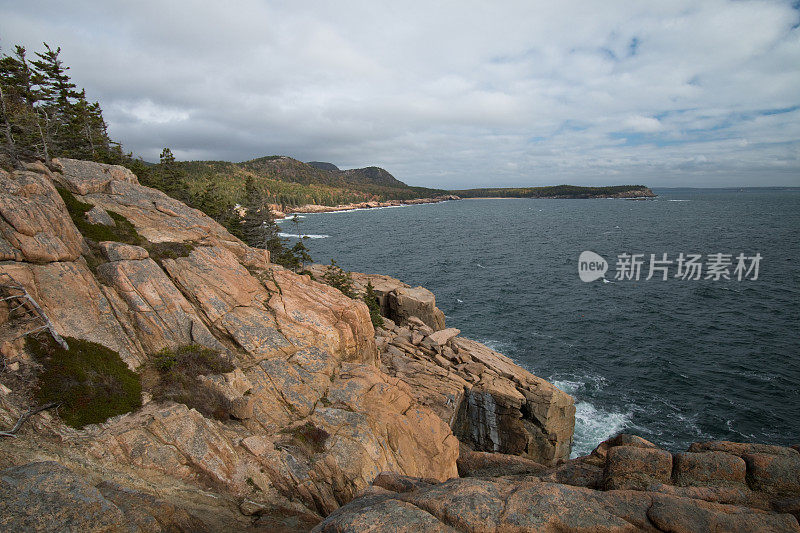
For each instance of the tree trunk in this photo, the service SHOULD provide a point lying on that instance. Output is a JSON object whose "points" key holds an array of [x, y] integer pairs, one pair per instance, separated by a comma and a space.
{"points": [[7, 119], [41, 134]]}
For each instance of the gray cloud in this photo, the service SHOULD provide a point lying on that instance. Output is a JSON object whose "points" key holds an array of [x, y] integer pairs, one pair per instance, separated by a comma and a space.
{"points": [[452, 94]]}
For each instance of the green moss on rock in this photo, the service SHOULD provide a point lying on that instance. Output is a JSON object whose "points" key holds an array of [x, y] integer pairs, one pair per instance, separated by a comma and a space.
{"points": [[91, 382], [124, 231]]}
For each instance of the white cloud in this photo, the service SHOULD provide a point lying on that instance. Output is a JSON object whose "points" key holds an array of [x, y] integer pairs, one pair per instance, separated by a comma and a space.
{"points": [[450, 93]]}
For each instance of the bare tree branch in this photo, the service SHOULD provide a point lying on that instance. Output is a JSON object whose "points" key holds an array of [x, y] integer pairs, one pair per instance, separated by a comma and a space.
{"points": [[12, 432]]}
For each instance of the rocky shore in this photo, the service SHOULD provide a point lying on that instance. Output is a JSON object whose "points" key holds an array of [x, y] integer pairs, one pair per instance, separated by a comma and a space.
{"points": [[324, 421], [281, 212]]}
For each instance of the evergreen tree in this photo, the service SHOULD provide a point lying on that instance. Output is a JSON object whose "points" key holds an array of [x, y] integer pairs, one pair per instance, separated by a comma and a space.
{"points": [[42, 114], [258, 227], [335, 276], [374, 306]]}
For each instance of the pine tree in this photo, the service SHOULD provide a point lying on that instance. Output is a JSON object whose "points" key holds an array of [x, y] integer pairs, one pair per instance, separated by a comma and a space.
{"points": [[335, 276], [57, 95], [371, 299]]}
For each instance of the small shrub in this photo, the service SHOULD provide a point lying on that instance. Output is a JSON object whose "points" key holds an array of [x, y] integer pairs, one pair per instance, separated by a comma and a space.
{"points": [[177, 381], [309, 438], [91, 381], [253, 485], [336, 277], [374, 306], [168, 250], [164, 360]]}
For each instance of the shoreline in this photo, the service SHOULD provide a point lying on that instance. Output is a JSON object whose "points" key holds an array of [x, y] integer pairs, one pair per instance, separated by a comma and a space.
{"points": [[315, 208], [278, 214]]}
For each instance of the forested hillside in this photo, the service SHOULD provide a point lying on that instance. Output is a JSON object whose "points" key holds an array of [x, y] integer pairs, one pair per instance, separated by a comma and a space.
{"points": [[556, 191], [43, 115]]}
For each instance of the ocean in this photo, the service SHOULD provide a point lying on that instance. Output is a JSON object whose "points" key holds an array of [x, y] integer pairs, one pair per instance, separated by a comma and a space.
{"points": [[673, 361]]}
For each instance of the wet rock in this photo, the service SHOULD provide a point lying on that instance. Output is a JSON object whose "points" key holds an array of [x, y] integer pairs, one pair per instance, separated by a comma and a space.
{"points": [[524, 416]]}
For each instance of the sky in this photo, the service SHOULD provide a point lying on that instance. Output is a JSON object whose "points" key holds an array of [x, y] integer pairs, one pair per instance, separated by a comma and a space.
{"points": [[446, 94]]}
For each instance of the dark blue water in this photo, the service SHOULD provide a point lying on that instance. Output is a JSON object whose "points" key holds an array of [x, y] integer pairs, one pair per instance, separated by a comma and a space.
{"points": [[673, 361]]}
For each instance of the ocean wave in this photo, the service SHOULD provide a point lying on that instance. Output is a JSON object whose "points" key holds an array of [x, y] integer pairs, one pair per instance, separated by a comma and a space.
{"points": [[593, 425], [295, 236], [679, 200]]}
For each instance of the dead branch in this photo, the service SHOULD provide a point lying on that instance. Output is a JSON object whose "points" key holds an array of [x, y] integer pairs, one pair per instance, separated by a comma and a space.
{"points": [[12, 432]]}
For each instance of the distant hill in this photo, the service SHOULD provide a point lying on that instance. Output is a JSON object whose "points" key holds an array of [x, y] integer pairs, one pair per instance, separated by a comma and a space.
{"points": [[375, 175], [323, 166], [289, 182]]}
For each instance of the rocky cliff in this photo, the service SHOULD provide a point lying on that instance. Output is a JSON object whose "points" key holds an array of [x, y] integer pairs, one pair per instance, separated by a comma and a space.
{"points": [[326, 422], [314, 411]]}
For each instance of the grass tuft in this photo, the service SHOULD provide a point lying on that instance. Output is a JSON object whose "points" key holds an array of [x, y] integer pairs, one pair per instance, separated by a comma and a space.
{"points": [[176, 379], [309, 438]]}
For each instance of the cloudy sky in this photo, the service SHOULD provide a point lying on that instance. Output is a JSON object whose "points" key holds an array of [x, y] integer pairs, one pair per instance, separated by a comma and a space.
{"points": [[447, 94]]}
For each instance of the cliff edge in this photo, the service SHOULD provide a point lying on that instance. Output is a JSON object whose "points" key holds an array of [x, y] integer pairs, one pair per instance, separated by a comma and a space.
{"points": [[305, 415]]}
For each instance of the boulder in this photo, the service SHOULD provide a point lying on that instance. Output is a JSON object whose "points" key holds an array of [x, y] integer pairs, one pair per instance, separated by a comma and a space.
{"points": [[415, 302], [527, 504], [776, 474], [709, 468], [742, 448], [687, 515], [630, 467], [443, 336], [84, 177], [486, 464]]}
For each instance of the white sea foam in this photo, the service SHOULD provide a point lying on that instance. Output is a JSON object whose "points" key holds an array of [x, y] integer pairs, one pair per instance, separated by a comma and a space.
{"points": [[295, 236], [679, 200], [287, 217], [592, 425]]}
